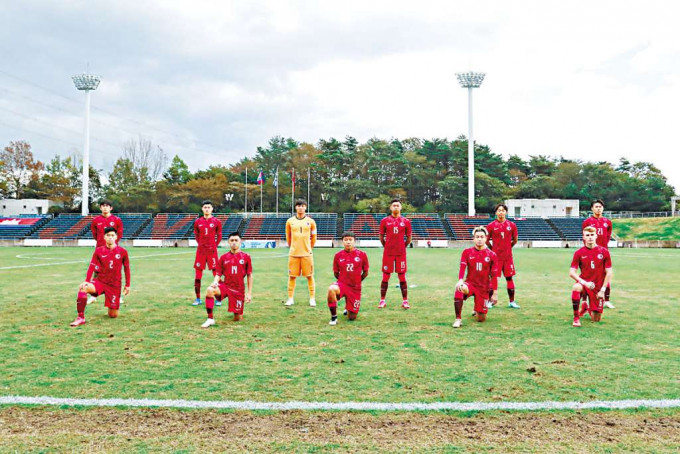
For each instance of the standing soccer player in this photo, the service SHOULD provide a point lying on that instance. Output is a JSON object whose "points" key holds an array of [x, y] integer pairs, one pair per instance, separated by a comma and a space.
{"points": [[99, 223], [208, 233], [107, 261], [595, 264], [604, 230], [232, 267], [395, 236], [301, 238], [481, 264], [502, 238], [350, 267]]}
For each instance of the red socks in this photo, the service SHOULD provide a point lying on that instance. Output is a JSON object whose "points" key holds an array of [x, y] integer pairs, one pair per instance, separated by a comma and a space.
{"points": [[575, 300], [458, 303], [209, 305], [81, 303]]}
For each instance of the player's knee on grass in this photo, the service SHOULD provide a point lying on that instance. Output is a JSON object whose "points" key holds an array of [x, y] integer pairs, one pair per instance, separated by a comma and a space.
{"points": [[597, 316], [481, 317], [352, 315], [113, 313]]}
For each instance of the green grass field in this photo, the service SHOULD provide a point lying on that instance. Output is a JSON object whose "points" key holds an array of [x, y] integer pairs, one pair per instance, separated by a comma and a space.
{"points": [[647, 229], [156, 348]]}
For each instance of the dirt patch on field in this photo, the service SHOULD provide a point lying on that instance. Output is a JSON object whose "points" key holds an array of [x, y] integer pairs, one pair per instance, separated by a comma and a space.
{"points": [[111, 429]]}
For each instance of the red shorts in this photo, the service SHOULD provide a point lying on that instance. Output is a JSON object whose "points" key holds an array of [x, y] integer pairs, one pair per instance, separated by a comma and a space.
{"points": [[596, 305], [111, 294], [481, 297], [394, 264], [352, 297], [506, 267], [206, 257], [236, 298]]}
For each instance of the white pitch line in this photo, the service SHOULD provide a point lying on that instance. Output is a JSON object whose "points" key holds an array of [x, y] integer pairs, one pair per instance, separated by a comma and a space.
{"points": [[87, 260], [347, 406]]}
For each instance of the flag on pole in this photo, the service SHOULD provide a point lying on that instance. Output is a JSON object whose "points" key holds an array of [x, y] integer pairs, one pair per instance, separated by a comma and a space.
{"points": [[275, 183], [260, 177]]}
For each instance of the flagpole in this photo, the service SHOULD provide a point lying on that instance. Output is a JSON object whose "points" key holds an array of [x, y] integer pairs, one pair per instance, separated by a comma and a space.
{"points": [[292, 194], [246, 206], [277, 191], [309, 209], [261, 185]]}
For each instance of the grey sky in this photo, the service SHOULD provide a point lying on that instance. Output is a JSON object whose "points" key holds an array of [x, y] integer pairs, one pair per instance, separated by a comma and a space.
{"points": [[211, 81]]}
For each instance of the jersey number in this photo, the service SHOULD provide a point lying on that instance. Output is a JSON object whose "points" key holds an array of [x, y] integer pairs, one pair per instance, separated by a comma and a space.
{"points": [[503, 235], [478, 266], [599, 231], [110, 264], [234, 269], [396, 230], [592, 264], [350, 267]]}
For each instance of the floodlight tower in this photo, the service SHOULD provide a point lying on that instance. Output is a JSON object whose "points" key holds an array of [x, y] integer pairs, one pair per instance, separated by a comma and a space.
{"points": [[470, 80], [86, 83]]}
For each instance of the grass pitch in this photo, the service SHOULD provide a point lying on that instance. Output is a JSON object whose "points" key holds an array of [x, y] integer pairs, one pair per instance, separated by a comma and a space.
{"points": [[156, 348]]}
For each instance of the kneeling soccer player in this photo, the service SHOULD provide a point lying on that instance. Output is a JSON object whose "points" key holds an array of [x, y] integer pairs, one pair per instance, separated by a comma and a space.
{"points": [[595, 264], [231, 268], [482, 274], [107, 261], [350, 267]]}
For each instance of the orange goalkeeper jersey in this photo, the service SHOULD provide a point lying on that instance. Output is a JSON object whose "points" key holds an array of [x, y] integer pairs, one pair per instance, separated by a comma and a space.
{"points": [[301, 236]]}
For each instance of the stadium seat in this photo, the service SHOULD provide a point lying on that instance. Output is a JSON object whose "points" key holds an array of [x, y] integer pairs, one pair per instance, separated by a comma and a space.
{"points": [[18, 227]]}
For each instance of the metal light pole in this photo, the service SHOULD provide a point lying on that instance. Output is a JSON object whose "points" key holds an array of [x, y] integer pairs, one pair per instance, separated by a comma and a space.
{"points": [[470, 80], [86, 83]]}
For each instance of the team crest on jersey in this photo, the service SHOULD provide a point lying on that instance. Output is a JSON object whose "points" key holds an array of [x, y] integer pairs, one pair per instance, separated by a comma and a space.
{"points": [[508, 228], [241, 261], [212, 225], [118, 256], [600, 256], [605, 224], [111, 224], [487, 259], [401, 224], [386, 267], [356, 259]]}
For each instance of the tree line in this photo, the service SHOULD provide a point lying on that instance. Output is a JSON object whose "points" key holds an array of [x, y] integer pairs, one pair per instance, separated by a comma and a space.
{"points": [[344, 176]]}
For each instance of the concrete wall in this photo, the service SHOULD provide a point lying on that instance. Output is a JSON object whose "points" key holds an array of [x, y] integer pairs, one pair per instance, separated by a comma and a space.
{"points": [[542, 208]]}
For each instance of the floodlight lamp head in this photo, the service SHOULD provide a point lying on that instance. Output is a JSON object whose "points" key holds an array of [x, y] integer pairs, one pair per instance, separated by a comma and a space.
{"points": [[86, 81], [470, 80]]}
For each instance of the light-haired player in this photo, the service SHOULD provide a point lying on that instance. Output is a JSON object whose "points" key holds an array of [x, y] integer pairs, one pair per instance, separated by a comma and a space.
{"points": [[595, 264], [231, 268], [604, 230], [301, 238], [350, 267], [481, 265], [107, 261]]}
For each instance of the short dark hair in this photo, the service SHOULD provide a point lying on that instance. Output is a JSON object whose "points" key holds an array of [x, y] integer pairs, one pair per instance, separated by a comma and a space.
{"points": [[234, 234], [299, 202], [106, 202], [207, 202], [500, 205], [347, 233], [110, 229], [597, 201], [394, 200]]}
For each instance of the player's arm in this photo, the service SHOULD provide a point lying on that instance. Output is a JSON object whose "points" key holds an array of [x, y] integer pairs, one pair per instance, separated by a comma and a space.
{"points": [[94, 230], [515, 235], [609, 274], [336, 267], [288, 232], [119, 231], [249, 281], [382, 232], [409, 234], [494, 279], [488, 237], [461, 271], [218, 232], [95, 265], [573, 273], [126, 268], [364, 272], [197, 231], [217, 273], [313, 233]]}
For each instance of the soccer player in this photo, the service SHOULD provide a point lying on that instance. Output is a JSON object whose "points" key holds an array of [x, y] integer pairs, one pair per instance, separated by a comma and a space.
{"points": [[481, 264], [107, 261], [232, 267], [603, 227], [208, 233], [301, 238], [395, 236], [99, 223], [595, 264], [350, 267], [502, 238]]}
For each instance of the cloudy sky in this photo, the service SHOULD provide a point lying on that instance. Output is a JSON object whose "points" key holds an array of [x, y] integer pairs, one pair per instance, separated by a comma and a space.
{"points": [[212, 80]]}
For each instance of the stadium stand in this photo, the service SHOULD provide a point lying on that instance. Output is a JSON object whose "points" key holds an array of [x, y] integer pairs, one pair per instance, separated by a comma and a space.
{"points": [[366, 226], [170, 226], [230, 223], [18, 227], [67, 226], [462, 225], [270, 226], [427, 226], [536, 229], [567, 228], [133, 223]]}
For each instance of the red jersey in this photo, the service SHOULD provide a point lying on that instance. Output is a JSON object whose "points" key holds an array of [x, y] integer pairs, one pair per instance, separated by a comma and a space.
{"points": [[501, 235], [395, 231], [350, 266], [208, 232], [100, 223], [482, 268], [603, 227], [108, 263], [593, 264], [232, 268]]}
